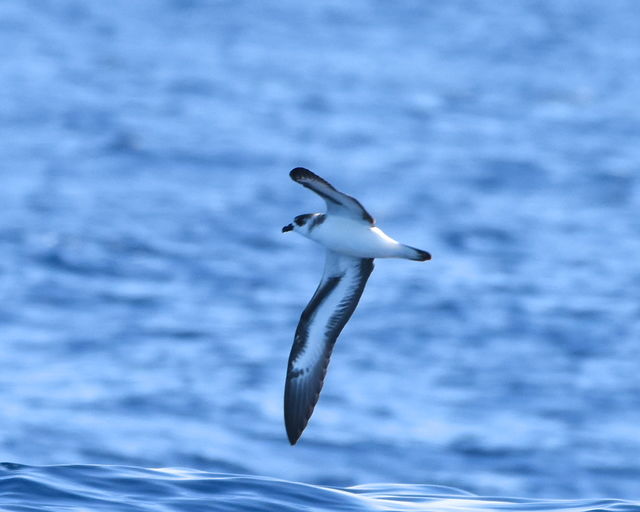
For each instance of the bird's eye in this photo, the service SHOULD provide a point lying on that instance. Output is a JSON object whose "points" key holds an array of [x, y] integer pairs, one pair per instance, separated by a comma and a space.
{"points": [[300, 220]]}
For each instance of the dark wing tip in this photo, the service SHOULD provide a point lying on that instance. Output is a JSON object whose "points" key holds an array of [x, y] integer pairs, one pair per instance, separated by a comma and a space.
{"points": [[300, 399], [293, 435], [424, 256], [304, 176], [295, 425], [301, 173]]}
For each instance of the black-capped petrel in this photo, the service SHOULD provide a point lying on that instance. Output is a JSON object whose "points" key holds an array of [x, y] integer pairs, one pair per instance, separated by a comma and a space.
{"points": [[352, 241]]}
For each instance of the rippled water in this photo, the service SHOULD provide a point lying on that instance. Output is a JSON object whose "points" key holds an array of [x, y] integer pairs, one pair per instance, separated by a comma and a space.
{"points": [[133, 489], [148, 298]]}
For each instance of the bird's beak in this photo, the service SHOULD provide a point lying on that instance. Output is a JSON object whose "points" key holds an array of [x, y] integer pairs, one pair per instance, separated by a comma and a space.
{"points": [[288, 227]]}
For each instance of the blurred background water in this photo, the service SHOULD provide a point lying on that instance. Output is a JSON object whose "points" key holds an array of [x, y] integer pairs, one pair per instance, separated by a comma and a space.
{"points": [[148, 298]]}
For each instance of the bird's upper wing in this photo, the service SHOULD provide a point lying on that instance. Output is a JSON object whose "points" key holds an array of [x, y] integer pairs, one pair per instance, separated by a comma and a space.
{"points": [[337, 202], [321, 322]]}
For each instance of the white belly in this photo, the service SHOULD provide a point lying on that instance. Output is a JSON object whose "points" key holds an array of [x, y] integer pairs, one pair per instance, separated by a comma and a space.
{"points": [[354, 238]]}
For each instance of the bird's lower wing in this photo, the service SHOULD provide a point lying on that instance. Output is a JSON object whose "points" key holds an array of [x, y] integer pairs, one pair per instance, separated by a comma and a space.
{"points": [[338, 203], [321, 322]]}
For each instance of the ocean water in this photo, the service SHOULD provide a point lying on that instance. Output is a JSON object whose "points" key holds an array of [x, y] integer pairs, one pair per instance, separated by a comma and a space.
{"points": [[135, 489], [148, 299]]}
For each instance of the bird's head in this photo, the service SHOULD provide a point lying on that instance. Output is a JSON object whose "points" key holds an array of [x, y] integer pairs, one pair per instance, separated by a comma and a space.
{"points": [[302, 223]]}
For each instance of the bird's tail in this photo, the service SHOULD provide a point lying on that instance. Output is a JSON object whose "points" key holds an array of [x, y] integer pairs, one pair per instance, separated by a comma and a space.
{"points": [[411, 253]]}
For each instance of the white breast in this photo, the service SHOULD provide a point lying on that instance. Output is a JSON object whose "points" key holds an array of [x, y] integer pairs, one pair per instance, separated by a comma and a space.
{"points": [[354, 238]]}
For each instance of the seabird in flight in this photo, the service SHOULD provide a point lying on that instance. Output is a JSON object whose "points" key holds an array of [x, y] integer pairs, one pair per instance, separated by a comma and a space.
{"points": [[352, 241]]}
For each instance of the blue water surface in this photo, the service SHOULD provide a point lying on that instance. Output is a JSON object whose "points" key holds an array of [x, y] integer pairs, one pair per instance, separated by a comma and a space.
{"points": [[135, 489], [148, 299]]}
